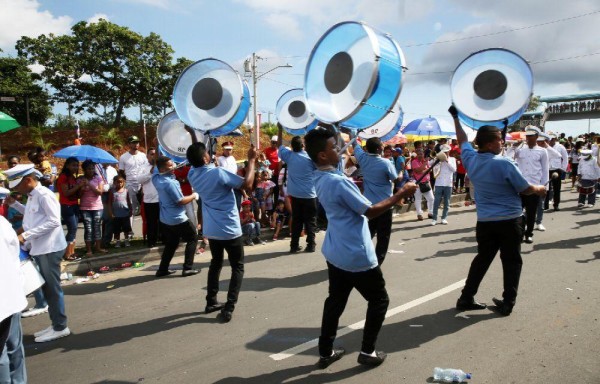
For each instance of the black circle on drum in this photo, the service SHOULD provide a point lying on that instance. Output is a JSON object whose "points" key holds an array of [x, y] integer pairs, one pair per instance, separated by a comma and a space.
{"points": [[490, 84], [207, 93], [338, 72], [297, 108]]}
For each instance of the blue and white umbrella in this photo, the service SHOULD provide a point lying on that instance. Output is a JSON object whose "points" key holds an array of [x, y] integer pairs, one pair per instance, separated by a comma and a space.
{"points": [[86, 152], [427, 128]]}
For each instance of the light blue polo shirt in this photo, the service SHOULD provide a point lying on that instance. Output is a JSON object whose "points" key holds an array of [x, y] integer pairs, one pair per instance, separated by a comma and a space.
{"points": [[220, 215], [169, 196], [347, 244], [497, 182], [300, 180], [378, 175]]}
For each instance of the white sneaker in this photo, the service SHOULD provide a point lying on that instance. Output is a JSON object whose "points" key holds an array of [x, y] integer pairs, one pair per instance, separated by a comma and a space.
{"points": [[433, 222], [52, 335], [589, 206], [444, 221], [34, 311], [540, 227], [43, 331]]}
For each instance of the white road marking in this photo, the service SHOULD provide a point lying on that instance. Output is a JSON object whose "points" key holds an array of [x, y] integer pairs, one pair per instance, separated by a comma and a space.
{"points": [[359, 325]]}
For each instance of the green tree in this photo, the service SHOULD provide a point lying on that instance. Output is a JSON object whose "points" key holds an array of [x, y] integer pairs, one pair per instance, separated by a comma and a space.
{"points": [[16, 80], [102, 65], [534, 103]]}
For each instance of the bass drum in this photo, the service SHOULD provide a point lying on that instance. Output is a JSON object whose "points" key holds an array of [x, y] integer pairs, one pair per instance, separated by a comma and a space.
{"points": [[210, 95], [353, 76], [173, 139], [386, 128], [292, 113], [490, 86]]}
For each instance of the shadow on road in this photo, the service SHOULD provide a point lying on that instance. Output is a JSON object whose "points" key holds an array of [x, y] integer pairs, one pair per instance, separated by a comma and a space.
{"points": [[472, 249], [117, 335], [596, 257], [574, 243], [291, 375], [261, 284]]}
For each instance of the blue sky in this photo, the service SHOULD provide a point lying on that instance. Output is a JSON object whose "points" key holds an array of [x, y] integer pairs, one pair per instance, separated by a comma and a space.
{"points": [[285, 32]]}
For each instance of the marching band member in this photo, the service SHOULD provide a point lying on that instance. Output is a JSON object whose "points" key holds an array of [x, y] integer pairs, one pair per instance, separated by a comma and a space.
{"points": [[554, 161], [556, 183], [588, 174]]}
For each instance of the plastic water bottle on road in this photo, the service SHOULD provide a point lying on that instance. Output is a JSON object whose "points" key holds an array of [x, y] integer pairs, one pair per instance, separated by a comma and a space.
{"points": [[449, 375]]}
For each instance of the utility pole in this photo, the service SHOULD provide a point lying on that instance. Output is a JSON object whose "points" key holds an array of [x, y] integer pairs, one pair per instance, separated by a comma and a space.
{"points": [[256, 135]]}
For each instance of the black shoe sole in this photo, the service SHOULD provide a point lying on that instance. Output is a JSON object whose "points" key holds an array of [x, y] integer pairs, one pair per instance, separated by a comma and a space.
{"points": [[501, 307], [469, 306], [371, 361], [164, 274], [214, 308], [325, 362], [190, 273]]}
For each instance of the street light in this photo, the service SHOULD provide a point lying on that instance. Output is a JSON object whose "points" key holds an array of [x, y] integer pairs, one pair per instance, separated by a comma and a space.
{"points": [[250, 66]]}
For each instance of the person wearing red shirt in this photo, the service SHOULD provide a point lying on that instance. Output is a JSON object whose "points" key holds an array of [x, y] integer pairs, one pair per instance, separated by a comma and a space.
{"points": [[181, 175], [272, 154]]}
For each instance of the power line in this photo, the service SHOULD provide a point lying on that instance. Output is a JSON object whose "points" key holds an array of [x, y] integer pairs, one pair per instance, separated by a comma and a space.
{"points": [[501, 32]]}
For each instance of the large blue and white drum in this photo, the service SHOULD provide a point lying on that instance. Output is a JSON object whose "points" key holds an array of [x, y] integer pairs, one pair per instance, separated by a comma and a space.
{"points": [[173, 139], [353, 76], [211, 95], [387, 127], [490, 86], [293, 114]]}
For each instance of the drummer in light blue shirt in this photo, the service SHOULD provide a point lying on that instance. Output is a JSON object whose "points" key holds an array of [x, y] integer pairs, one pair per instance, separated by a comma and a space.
{"points": [[221, 222], [379, 175], [175, 224], [301, 189], [350, 255]]}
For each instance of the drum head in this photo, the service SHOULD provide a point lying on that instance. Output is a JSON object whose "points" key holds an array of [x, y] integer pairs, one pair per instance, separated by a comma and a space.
{"points": [[341, 71], [389, 126], [490, 86], [293, 114], [207, 94], [173, 139]]}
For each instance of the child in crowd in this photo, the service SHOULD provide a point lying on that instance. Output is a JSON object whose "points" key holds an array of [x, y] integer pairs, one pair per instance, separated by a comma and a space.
{"points": [[120, 211], [263, 163], [279, 218], [38, 157], [266, 204], [12, 215], [250, 227]]}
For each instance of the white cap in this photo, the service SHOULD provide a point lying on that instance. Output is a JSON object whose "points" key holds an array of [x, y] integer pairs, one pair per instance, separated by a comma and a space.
{"points": [[445, 148], [274, 138], [543, 137], [585, 152], [4, 192], [530, 130], [16, 173], [580, 140]]}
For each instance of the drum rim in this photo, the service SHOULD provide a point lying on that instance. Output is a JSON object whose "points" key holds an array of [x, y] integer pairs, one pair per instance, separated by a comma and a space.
{"points": [[370, 32], [514, 115], [159, 138], [401, 115], [240, 84]]}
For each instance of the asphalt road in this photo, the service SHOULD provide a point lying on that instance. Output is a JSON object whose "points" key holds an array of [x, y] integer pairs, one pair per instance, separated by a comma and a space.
{"points": [[129, 327]]}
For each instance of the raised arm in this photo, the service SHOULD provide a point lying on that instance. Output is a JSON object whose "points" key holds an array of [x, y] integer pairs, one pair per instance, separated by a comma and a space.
{"points": [[461, 136]]}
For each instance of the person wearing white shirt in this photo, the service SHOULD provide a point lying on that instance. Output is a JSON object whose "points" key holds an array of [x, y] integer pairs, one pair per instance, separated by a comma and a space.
{"points": [[561, 169], [532, 160], [12, 297], [554, 161], [588, 175], [42, 230], [108, 174], [443, 184], [151, 205], [228, 163], [131, 166]]}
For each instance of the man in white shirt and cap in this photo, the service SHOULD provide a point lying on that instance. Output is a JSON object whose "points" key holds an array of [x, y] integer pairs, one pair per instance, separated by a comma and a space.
{"points": [[42, 232], [588, 175], [554, 162], [228, 163], [532, 160], [132, 165], [556, 183]]}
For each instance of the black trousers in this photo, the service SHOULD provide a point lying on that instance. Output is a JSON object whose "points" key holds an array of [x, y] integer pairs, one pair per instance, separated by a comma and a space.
{"points": [[152, 211], [371, 285], [171, 235], [493, 236], [235, 254], [304, 214], [554, 192], [4, 329], [530, 204], [382, 227]]}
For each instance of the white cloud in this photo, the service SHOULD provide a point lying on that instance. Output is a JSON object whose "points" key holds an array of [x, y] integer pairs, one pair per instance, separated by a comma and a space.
{"points": [[321, 13], [96, 18], [558, 40], [437, 26], [153, 3], [25, 18]]}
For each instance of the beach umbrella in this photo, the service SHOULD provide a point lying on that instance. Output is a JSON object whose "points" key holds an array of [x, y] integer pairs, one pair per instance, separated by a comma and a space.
{"points": [[7, 123], [86, 152], [427, 128], [398, 138]]}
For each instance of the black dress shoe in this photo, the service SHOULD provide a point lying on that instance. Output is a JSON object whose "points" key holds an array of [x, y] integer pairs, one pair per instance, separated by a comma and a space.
{"points": [[325, 362], [160, 273], [214, 307], [190, 272], [310, 249], [372, 361], [226, 315], [556, 209], [469, 305], [503, 308], [295, 250]]}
